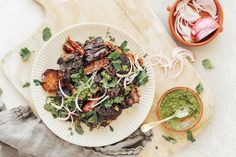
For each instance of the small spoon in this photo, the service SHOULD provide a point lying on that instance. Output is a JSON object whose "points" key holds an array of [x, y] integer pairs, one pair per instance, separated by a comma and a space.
{"points": [[180, 113]]}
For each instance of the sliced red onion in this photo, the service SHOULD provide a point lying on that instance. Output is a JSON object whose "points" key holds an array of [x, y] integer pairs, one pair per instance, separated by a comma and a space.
{"points": [[180, 61], [208, 6], [204, 27], [188, 14]]}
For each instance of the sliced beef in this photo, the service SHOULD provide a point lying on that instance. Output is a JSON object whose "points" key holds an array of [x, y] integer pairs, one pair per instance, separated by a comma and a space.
{"points": [[95, 49]]}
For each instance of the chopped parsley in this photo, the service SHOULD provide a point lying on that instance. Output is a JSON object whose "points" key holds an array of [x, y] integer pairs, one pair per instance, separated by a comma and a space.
{"points": [[207, 64], [169, 139], [199, 88], [37, 82], [25, 54], [190, 136], [118, 99], [46, 34], [123, 46], [117, 65], [112, 39], [27, 84], [107, 103]]}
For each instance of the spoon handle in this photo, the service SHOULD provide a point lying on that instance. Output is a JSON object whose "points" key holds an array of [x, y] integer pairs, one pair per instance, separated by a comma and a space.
{"points": [[149, 126]]}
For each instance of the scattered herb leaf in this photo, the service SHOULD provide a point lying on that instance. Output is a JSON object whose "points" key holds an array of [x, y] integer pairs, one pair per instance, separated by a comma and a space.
{"points": [[117, 65], [142, 78], [78, 128], [199, 88], [46, 34], [37, 82], [114, 55], [169, 139], [25, 54], [207, 64], [112, 39], [145, 55], [190, 136], [123, 46], [118, 99], [107, 103], [156, 147], [91, 37], [1, 91], [111, 128], [27, 84]]}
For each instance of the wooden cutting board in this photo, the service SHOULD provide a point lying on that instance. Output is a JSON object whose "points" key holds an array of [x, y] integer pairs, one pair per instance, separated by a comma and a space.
{"points": [[134, 17]]}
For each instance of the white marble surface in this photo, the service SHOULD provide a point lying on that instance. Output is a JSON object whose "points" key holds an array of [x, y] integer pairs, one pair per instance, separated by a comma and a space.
{"points": [[19, 18]]}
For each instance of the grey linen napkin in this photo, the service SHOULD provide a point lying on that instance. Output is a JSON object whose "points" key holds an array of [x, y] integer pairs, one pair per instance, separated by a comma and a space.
{"points": [[24, 135]]}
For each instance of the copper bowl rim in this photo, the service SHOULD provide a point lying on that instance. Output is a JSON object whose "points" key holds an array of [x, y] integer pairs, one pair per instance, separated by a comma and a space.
{"points": [[213, 36], [199, 103]]}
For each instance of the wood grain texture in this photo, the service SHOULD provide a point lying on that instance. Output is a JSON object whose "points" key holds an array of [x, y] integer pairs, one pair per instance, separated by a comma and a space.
{"points": [[134, 17]]}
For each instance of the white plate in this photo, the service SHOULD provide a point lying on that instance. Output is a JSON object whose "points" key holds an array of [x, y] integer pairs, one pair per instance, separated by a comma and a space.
{"points": [[126, 123]]}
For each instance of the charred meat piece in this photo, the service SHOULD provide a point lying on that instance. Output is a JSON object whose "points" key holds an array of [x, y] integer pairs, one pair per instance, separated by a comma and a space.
{"points": [[113, 92], [73, 47], [108, 113], [89, 106], [95, 49], [97, 65], [50, 79], [133, 97]]}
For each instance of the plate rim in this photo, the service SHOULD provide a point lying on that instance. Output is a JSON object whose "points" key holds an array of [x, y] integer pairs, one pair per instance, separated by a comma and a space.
{"points": [[96, 24]]}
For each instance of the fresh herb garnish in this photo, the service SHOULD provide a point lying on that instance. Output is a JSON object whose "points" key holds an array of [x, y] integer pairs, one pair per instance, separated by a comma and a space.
{"points": [[27, 84], [117, 65], [111, 128], [123, 46], [93, 119], [145, 55], [207, 64], [91, 37], [46, 34], [25, 54], [1, 91], [37, 82], [169, 139], [78, 128], [112, 39], [114, 55], [107, 103], [118, 99], [199, 88], [156, 147], [190, 136], [142, 78]]}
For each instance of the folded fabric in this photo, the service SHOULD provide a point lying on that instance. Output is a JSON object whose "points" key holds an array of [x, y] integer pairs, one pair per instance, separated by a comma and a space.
{"points": [[24, 135]]}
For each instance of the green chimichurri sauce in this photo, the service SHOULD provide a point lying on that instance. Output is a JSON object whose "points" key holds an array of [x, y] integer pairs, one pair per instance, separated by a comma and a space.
{"points": [[179, 99]]}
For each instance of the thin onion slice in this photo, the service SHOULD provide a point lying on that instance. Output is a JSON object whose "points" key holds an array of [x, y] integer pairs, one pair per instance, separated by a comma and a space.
{"points": [[93, 106], [62, 92], [58, 107], [95, 99], [180, 61]]}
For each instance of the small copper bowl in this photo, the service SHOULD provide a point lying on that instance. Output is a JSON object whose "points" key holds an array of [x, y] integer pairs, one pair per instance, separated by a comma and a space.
{"points": [[185, 119], [204, 42]]}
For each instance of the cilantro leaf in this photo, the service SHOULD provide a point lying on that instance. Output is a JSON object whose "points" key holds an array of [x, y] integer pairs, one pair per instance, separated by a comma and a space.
{"points": [[114, 55], [190, 136], [199, 88], [78, 128], [207, 64], [169, 139], [46, 34], [117, 65], [142, 78], [27, 84], [37, 82], [107, 103], [123, 46], [118, 99], [25, 54]]}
